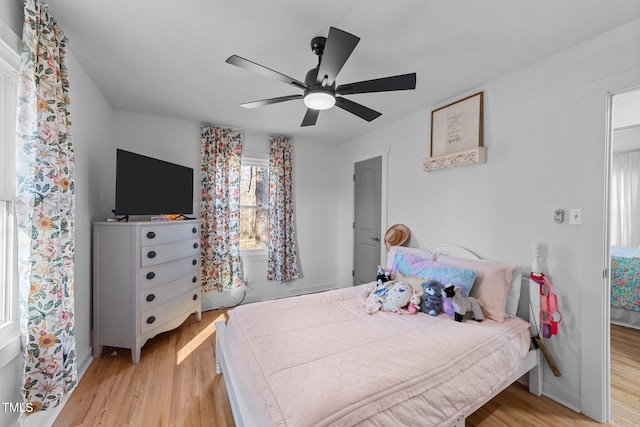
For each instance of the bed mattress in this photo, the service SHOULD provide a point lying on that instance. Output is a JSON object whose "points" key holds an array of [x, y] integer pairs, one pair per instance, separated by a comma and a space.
{"points": [[321, 360]]}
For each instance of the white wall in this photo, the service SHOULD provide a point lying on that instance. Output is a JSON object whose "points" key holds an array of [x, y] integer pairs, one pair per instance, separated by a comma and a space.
{"points": [[545, 133], [178, 141]]}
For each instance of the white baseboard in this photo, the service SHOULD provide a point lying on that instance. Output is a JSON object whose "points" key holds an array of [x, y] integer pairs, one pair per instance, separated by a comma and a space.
{"points": [[255, 296], [570, 401]]}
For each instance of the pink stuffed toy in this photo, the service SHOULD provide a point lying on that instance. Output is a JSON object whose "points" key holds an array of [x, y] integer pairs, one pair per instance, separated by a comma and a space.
{"points": [[414, 304]]}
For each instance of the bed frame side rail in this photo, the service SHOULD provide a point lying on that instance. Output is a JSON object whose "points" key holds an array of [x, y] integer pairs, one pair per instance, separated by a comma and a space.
{"points": [[242, 414]]}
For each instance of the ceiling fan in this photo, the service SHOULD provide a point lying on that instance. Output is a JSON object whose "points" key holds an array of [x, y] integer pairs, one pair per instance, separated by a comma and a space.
{"points": [[319, 87]]}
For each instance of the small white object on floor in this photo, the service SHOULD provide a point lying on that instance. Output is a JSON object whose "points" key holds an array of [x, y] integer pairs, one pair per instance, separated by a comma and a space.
{"points": [[113, 353]]}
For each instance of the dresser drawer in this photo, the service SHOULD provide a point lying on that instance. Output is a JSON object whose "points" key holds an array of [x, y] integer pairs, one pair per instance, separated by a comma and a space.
{"points": [[156, 234], [152, 255], [158, 316], [159, 295], [156, 275]]}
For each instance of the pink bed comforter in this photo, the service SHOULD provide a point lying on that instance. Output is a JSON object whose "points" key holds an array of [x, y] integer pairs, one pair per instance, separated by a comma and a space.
{"points": [[320, 359]]}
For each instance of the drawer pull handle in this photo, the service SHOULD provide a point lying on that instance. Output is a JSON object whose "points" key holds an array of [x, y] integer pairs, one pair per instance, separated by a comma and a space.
{"points": [[194, 230], [194, 280], [151, 235], [151, 297], [151, 254], [194, 262], [151, 275], [195, 246], [151, 319], [195, 297]]}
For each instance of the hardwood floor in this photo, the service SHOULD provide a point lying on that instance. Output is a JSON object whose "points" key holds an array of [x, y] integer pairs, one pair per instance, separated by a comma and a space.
{"points": [[175, 384], [625, 376]]}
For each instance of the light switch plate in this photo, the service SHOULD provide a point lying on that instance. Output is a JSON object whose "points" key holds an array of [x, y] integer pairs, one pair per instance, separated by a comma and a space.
{"points": [[575, 216]]}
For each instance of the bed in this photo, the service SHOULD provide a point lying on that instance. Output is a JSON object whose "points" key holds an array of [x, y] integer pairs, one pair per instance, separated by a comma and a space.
{"points": [[321, 359], [625, 286]]}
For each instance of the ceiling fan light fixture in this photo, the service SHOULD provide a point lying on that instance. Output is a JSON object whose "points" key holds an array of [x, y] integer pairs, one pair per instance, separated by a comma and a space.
{"points": [[319, 100]]}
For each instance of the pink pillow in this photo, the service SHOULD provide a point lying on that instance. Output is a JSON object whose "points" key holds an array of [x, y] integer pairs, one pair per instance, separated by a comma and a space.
{"points": [[491, 286]]}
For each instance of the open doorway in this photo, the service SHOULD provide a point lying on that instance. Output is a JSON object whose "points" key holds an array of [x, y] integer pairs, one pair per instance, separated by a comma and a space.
{"points": [[624, 241]]}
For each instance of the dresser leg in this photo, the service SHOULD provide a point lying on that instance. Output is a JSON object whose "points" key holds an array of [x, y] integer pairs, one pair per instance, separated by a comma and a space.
{"points": [[97, 351], [198, 315], [135, 354]]}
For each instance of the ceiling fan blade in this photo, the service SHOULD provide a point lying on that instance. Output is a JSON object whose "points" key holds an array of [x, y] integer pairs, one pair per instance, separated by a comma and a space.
{"points": [[358, 109], [263, 102], [260, 69], [337, 50], [310, 117], [385, 84]]}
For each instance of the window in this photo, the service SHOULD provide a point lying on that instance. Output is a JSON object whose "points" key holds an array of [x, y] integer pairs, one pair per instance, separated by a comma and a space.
{"points": [[254, 204], [9, 331]]}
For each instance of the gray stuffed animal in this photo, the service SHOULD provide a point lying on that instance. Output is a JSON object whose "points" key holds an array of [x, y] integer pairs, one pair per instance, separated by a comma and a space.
{"points": [[462, 304], [431, 296]]}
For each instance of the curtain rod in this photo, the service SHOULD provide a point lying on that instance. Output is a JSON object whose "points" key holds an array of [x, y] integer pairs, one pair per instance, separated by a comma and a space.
{"points": [[247, 132]]}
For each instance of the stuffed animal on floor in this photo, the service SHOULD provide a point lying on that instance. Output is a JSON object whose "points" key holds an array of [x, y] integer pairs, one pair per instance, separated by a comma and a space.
{"points": [[462, 304], [431, 296], [383, 275]]}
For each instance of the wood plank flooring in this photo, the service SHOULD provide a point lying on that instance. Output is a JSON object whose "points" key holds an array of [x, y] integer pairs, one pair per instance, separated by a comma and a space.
{"points": [[175, 384]]}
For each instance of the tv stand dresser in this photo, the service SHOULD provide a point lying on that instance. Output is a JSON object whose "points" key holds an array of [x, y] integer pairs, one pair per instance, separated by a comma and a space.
{"points": [[146, 280]]}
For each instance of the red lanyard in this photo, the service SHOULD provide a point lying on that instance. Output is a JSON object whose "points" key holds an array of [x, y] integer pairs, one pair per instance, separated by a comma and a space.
{"points": [[549, 314]]}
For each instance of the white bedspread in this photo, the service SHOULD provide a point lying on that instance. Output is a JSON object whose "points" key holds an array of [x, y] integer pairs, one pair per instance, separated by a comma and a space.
{"points": [[320, 360]]}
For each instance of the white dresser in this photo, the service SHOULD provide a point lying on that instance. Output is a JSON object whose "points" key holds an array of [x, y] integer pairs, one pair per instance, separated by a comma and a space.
{"points": [[146, 280]]}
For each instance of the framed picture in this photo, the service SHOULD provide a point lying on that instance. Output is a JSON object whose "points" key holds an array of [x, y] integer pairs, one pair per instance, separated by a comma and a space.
{"points": [[457, 127]]}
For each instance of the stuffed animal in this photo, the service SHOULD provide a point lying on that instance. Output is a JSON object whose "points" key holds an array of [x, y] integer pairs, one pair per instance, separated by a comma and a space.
{"points": [[414, 304], [462, 304], [388, 296], [431, 296], [383, 275]]}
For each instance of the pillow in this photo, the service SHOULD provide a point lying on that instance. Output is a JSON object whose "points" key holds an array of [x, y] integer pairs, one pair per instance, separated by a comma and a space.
{"points": [[414, 281], [409, 265], [392, 294], [420, 253], [492, 283]]}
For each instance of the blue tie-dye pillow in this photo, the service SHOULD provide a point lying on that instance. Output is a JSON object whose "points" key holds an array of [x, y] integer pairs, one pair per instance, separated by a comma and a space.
{"points": [[410, 265]]}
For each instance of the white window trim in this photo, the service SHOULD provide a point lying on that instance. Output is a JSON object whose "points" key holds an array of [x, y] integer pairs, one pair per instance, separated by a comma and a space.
{"points": [[10, 346], [260, 160]]}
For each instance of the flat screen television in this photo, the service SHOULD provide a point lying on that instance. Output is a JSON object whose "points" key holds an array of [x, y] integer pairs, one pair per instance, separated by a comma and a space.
{"points": [[148, 186]]}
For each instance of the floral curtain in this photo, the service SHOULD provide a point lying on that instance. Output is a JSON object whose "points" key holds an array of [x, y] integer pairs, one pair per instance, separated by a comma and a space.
{"points": [[220, 208], [625, 199], [282, 264], [45, 212]]}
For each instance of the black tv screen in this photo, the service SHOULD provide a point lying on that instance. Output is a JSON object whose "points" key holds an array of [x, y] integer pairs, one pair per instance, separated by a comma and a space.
{"points": [[148, 186]]}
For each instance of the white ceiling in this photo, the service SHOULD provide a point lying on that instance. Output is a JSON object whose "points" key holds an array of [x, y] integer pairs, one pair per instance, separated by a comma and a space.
{"points": [[167, 57]]}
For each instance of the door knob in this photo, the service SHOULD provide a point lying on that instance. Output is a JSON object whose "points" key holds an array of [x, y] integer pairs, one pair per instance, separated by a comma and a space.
{"points": [[377, 239]]}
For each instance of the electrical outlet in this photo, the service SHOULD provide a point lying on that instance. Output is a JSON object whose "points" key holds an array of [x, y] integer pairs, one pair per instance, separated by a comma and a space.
{"points": [[575, 216], [558, 216]]}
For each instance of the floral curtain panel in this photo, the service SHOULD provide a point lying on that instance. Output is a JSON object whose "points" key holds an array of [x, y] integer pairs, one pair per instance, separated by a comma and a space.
{"points": [[282, 264], [45, 212], [220, 208]]}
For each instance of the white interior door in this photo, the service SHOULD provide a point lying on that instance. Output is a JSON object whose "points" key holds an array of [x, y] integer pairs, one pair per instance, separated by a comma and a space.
{"points": [[367, 224]]}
